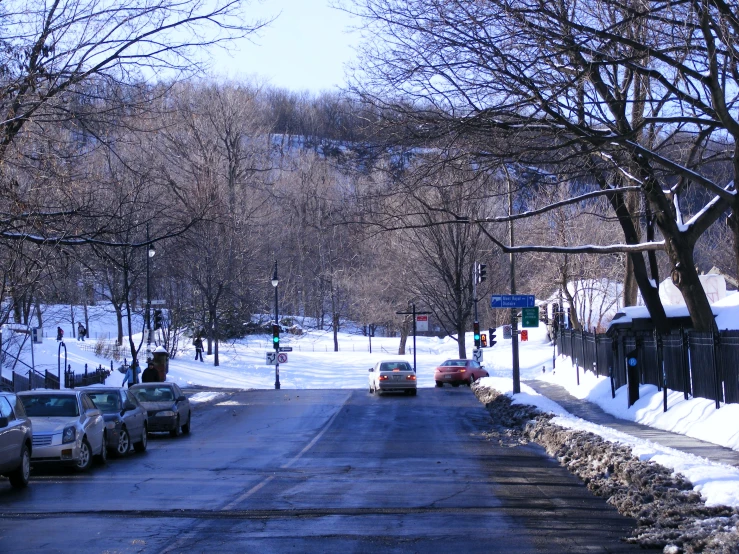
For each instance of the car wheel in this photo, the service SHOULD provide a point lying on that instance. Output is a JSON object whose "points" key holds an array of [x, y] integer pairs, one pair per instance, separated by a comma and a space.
{"points": [[414, 392], [372, 391], [102, 458], [141, 445], [186, 426], [176, 431], [124, 443], [439, 384], [19, 477], [85, 459], [472, 380], [455, 384]]}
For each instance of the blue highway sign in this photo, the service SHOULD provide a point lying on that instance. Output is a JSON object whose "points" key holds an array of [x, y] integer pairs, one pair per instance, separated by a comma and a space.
{"points": [[512, 301]]}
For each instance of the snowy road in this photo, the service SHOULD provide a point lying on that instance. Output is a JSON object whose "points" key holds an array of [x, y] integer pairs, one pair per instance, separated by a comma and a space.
{"points": [[318, 470]]}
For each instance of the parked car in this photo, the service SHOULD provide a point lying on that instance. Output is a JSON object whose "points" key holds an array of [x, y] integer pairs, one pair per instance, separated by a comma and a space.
{"points": [[167, 406], [16, 440], [458, 372], [392, 375], [126, 420], [67, 427]]}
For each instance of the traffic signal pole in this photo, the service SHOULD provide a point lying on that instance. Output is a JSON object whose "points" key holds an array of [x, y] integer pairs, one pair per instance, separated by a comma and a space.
{"points": [[514, 317]]}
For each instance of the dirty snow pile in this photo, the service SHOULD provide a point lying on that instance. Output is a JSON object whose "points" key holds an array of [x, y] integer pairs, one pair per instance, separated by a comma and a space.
{"points": [[669, 513]]}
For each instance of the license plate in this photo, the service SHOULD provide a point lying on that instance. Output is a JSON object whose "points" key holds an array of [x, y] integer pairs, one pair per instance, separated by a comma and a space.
{"points": [[397, 377], [447, 376]]}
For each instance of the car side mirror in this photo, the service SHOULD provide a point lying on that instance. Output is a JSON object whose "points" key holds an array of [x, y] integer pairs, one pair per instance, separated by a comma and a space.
{"points": [[372, 370], [93, 412], [4, 422], [181, 398], [128, 406]]}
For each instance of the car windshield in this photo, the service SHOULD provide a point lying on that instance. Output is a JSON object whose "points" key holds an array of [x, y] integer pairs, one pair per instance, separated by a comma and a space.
{"points": [[395, 366], [154, 394], [455, 363], [107, 402], [50, 405]]}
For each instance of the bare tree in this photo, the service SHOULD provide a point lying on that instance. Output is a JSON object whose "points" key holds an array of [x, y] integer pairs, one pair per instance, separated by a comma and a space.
{"points": [[615, 93]]}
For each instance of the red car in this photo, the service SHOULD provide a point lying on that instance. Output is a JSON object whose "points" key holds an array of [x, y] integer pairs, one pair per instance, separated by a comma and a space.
{"points": [[458, 372]]}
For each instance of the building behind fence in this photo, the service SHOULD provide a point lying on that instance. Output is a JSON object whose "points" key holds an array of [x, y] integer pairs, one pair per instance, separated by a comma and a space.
{"points": [[698, 364]]}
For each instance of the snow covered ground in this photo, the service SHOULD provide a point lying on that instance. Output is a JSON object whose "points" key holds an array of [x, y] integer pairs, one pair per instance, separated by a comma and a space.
{"points": [[313, 364]]}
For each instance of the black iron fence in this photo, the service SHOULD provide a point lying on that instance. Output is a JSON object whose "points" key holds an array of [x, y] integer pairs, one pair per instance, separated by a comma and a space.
{"points": [[34, 380], [705, 365], [97, 375]]}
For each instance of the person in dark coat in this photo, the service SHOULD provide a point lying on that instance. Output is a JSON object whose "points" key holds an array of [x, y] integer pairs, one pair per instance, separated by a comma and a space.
{"points": [[198, 343], [59, 333], [150, 375], [81, 331]]}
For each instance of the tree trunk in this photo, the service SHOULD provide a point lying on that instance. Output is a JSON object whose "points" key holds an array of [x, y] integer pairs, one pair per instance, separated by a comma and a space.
{"points": [[119, 322], [461, 342], [336, 331], [214, 325], [404, 332], [631, 289]]}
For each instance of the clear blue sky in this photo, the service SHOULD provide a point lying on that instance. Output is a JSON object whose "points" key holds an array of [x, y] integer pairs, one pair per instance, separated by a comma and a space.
{"points": [[305, 48]]}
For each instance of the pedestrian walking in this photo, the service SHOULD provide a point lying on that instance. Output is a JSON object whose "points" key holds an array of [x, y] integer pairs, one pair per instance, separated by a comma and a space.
{"points": [[59, 333], [198, 343], [81, 332], [150, 375], [132, 374]]}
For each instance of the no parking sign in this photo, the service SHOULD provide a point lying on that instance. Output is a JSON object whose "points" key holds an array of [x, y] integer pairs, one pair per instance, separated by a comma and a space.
{"points": [[282, 358]]}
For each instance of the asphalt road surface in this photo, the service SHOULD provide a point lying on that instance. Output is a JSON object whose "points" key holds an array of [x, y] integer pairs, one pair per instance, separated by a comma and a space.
{"points": [[318, 471]]}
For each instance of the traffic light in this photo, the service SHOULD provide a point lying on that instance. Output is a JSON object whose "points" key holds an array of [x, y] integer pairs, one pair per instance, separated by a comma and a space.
{"points": [[482, 273], [476, 331], [483, 341], [491, 332], [276, 336], [157, 319]]}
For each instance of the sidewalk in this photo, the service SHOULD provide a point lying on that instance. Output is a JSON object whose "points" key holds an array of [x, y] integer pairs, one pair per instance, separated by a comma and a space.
{"points": [[593, 413]]}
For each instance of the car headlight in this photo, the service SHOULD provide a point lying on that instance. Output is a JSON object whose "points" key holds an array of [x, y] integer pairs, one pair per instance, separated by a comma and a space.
{"points": [[69, 434], [166, 413]]}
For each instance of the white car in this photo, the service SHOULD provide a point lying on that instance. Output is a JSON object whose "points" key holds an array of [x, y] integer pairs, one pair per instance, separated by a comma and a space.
{"points": [[67, 427], [392, 375]]}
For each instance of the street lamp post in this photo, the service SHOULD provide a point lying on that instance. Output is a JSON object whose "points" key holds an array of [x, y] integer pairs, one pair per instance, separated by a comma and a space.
{"points": [[149, 254], [275, 282]]}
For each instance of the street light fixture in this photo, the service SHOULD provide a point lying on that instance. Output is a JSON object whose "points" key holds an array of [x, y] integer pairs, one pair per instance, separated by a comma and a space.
{"points": [[150, 254], [276, 282]]}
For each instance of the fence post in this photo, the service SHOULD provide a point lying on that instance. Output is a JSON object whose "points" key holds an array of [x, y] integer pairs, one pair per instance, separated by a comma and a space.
{"points": [[716, 354], [661, 364], [687, 385]]}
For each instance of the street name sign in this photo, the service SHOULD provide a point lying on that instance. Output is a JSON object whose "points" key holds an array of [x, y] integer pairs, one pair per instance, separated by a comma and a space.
{"points": [[512, 301], [286, 348], [530, 317]]}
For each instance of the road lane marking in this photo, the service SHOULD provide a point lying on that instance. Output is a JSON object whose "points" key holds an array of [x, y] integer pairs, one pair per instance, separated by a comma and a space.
{"points": [[185, 539], [287, 465]]}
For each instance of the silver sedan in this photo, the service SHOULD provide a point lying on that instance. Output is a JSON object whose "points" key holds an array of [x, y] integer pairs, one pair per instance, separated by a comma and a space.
{"points": [[67, 427], [392, 375]]}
